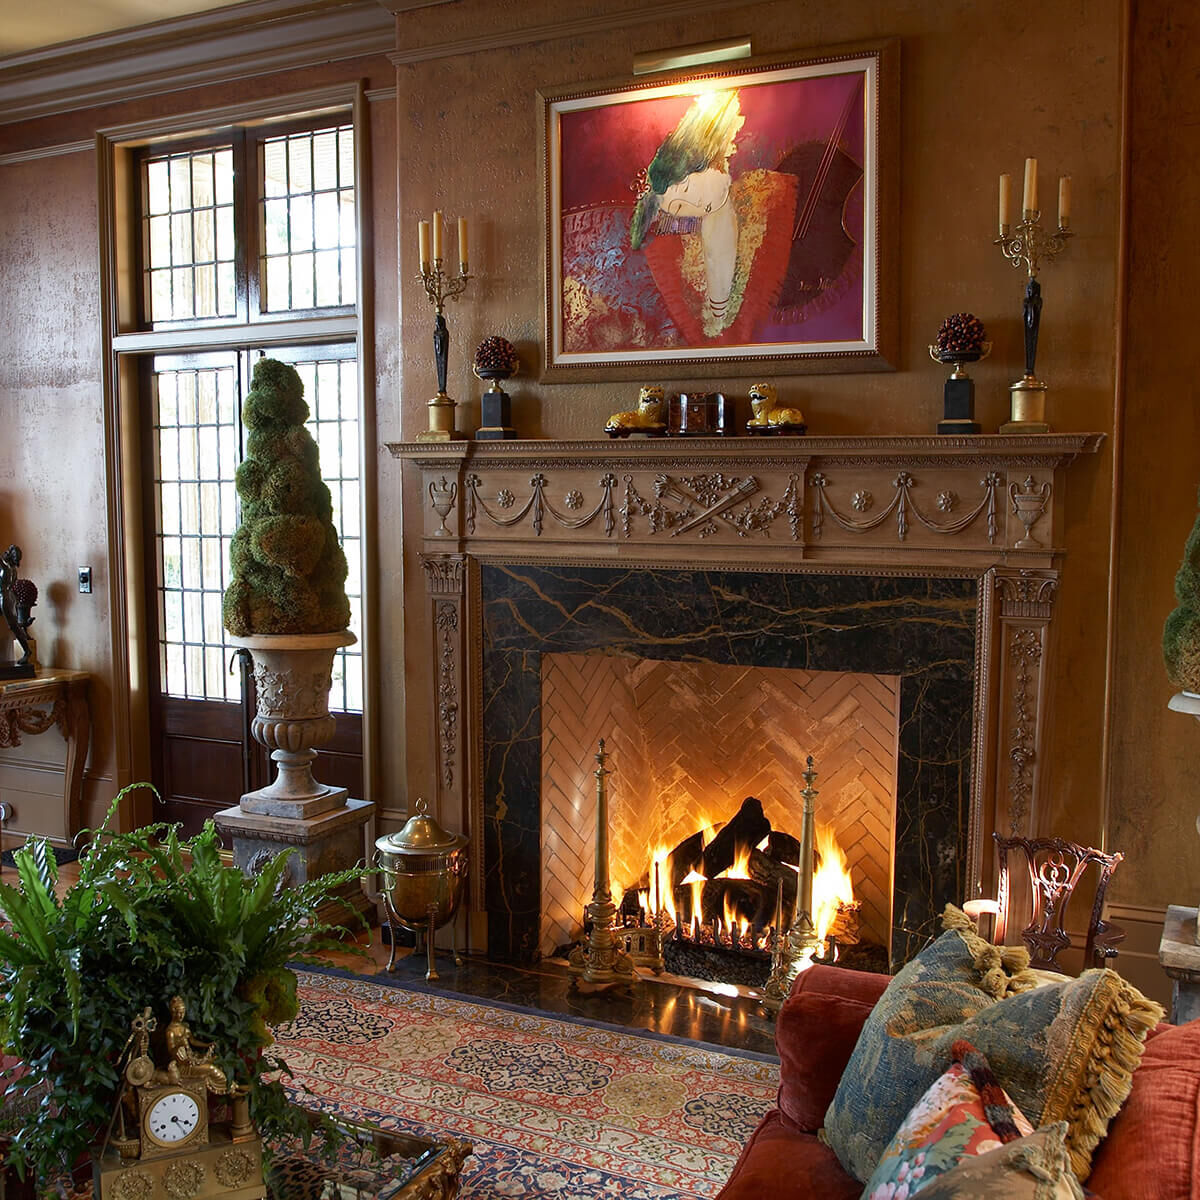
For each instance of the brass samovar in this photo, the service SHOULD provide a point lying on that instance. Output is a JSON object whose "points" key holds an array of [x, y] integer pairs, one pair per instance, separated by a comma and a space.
{"points": [[424, 870]]}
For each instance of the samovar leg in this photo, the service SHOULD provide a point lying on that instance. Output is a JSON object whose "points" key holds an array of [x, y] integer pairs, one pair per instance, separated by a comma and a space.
{"points": [[432, 973], [391, 924], [458, 962]]}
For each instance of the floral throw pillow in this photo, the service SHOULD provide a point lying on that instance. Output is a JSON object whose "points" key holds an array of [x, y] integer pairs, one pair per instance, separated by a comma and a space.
{"points": [[964, 1114], [1036, 1167]]}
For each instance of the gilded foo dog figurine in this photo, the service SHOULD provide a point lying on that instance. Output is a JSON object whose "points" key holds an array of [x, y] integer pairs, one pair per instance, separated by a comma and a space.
{"points": [[769, 416], [646, 421]]}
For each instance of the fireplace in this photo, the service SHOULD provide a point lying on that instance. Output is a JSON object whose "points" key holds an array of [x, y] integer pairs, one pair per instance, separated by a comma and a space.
{"points": [[920, 630], [905, 559], [688, 745]]}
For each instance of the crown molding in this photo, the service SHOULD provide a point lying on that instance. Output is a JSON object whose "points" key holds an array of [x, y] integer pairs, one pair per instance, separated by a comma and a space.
{"points": [[569, 27], [255, 38]]}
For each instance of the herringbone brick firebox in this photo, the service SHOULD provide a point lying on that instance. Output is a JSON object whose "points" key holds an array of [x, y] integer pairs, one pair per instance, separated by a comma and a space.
{"points": [[688, 742]]}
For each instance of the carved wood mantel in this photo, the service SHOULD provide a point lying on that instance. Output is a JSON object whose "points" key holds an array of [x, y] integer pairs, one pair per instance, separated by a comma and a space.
{"points": [[989, 507]]}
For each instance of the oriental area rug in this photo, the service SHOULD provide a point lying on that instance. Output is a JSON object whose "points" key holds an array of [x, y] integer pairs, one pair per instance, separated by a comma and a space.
{"points": [[553, 1108]]}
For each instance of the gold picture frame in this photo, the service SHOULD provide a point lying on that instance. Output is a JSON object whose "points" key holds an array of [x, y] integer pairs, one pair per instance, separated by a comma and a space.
{"points": [[708, 223]]}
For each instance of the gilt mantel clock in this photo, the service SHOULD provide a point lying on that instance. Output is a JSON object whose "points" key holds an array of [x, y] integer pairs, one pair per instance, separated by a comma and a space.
{"points": [[163, 1145]]}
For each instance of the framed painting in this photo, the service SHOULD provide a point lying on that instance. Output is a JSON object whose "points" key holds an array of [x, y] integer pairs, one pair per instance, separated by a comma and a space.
{"points": [[706, 224]]}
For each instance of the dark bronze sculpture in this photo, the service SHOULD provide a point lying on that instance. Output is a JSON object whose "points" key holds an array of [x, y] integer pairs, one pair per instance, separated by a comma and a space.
{"points": [[16, 614], [1032, 307]]}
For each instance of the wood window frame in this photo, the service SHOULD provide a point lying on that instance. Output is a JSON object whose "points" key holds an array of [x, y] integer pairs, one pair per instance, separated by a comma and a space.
{"points": [[124, 342]]}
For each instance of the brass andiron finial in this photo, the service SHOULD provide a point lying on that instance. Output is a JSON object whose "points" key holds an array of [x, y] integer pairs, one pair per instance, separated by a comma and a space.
{"points": [[1028, 246], [601, 962], [440, 287], [794, 950]]}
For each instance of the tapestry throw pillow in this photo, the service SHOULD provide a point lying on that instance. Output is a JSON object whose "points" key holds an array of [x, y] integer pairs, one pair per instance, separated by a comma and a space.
{"points": [[1036, 1167], [965, 1113], [1063, 1051]]}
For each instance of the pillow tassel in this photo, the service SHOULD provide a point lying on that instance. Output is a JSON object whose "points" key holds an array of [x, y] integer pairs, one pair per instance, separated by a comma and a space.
{"points": [[1003, 970], [1119, 1051]]}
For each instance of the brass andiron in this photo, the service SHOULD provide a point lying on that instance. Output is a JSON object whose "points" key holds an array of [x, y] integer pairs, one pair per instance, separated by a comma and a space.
{"points": [[440, 287], [601, 962], [794, 950], [1028, 246]]}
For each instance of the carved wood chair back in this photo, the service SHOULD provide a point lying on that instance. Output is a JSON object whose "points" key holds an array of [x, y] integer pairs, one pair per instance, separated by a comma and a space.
{"points": [[1055, 868]]}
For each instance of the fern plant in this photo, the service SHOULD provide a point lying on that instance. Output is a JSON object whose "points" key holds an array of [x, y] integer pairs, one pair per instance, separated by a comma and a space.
{"points": [[150, 916]]}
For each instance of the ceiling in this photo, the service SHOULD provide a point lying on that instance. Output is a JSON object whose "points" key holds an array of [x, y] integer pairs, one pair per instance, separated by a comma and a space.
{"points": [[27, 26]]}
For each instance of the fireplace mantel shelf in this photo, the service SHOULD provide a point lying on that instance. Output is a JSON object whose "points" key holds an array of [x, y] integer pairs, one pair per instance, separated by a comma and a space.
{"points": [[1052, 449], [893, 503]]}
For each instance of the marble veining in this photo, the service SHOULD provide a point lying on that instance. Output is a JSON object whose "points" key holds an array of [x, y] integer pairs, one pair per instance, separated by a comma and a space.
{"points": [[921, 629]]}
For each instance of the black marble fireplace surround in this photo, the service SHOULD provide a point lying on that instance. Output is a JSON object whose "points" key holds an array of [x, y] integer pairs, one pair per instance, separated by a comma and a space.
{"points": [[922, 629]]}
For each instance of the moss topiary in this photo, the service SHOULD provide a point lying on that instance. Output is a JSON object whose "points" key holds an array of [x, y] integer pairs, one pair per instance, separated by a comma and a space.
{"points": [[288, 569], [1181, 633]]}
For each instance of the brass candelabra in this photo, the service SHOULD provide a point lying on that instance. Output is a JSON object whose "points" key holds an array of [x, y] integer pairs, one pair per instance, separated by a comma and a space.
{"points": [[440, 287], [601, 962], [794, 950], [1029, 245]]}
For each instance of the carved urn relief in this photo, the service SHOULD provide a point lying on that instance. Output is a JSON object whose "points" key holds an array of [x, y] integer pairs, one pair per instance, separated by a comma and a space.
{"points": [[292, 676]]}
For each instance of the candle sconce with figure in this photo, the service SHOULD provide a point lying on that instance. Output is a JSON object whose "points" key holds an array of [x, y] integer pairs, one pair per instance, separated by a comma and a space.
{"points": [[1029, 245], [440, 287]]}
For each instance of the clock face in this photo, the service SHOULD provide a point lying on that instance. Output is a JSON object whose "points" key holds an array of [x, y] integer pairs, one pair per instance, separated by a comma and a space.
{"points": [[172, 1118]]}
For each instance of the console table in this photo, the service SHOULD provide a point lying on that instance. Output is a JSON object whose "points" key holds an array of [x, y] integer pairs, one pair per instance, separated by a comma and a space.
{"points": [[32, 706]]}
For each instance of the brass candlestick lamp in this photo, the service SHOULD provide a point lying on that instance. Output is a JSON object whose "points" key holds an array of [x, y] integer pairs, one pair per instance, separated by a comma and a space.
{"points": [[440, 287], [793, 951], [1028, 246]]}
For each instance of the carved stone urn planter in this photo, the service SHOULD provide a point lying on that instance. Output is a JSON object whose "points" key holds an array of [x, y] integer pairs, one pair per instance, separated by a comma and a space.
{"points": [[292, 677]]}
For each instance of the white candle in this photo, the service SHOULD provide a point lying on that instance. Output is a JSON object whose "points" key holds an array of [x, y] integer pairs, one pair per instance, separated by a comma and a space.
{"points": [[462, 240], [423, 242], [1064, 201], [1030, 200], [1005, 200], [437, 235]]}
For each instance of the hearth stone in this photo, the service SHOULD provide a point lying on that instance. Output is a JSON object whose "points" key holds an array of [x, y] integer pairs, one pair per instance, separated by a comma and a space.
{"points": [[920, 629]]}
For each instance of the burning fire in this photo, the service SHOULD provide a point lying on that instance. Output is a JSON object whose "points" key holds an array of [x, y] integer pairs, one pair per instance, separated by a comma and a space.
{"points": [[832, 892], [831, 883]]}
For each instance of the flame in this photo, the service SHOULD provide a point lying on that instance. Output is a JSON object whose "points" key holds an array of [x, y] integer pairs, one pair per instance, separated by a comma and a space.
{"points": [[831, 882], [741, 865]]}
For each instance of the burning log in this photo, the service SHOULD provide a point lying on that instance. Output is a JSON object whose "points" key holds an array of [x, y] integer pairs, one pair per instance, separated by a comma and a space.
{"points": [[747, 828], [686, 858], [844, 928], [747, 900], [770, 872], [784, 848]]}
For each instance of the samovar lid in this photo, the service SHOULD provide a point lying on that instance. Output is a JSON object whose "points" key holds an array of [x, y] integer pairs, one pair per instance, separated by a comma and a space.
{"points": [[421, 834]]}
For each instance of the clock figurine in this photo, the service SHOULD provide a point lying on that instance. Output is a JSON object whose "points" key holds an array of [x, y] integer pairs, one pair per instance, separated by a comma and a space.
{"points": [[162, 1145]]}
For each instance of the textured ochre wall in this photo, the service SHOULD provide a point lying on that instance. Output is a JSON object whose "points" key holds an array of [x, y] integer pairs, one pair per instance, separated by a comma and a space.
{"points": [[982, 86], [1155, 764]]}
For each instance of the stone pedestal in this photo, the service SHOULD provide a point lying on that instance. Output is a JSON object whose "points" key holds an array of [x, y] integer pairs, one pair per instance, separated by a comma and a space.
{"points": [[331, 841], [1180, 958]]}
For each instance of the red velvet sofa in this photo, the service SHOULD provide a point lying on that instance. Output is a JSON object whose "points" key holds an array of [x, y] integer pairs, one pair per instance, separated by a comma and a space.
{"points": [[1152, 1151]]}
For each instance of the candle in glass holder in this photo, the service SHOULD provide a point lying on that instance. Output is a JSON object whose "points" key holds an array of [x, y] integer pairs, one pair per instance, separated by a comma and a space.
{"points": [[1030, 200], [423, 242], [462, 241], [437, 235], [1005, 201]]}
